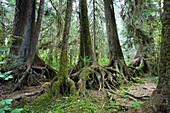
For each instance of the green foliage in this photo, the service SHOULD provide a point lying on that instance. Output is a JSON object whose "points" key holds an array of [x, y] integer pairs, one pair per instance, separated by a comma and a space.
{"points": [[7, 101], [121, 92], [4, 103], [140, 66], [135, 104], [17, 110], [5, 107], [138, 80], [6, 75], [86, 59], [154, 79], [103, 60]]}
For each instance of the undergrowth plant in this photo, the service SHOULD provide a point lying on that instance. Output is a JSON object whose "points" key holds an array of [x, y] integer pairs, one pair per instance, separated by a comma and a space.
{"points": [[4, 104], [135, 104]]}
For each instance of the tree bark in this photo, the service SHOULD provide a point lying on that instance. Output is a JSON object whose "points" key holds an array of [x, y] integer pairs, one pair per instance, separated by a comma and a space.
{"points": [[113, 40], [86, 51], [86, 56], [22, 30], [34, 38], [94, 33]]}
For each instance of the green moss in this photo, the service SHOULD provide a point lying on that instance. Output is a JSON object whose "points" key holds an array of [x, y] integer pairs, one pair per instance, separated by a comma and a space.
{"points": [[63, 65], [80, 86], [54, 79], [46, 86], [44, 97], [70, 83], [56, 87], [83, 78]]}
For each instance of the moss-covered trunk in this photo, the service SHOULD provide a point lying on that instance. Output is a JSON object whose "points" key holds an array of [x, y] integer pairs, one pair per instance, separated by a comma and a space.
{"points": [[86, 56], [62, 84]]}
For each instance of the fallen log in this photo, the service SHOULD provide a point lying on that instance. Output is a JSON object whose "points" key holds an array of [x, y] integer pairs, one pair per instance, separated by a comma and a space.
{"points": [[19, 97]]}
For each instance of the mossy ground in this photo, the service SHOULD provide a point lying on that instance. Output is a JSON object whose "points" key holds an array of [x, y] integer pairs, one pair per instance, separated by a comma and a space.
{"points": [[94, 101]]}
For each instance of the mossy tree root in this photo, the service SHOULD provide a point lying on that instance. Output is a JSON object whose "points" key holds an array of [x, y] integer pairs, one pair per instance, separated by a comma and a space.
{"points": [[28, 76], [93, 77], [59, 87], [25, 78], [98, 77]]}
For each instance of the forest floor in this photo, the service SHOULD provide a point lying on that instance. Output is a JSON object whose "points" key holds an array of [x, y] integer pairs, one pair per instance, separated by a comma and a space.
{"points": [[127, 97]]}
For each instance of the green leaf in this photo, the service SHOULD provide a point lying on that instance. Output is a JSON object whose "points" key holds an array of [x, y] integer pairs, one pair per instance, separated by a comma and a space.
{"points": [[8, 77], [2, 102], [17, 110], [6, 73], [8, 101], [3, 49], [2, 62], [6, 108], [2, 75], [2, 111]]}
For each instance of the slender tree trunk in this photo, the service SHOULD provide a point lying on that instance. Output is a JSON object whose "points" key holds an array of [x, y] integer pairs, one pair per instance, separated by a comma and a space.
{"points": [[34, 38], [63, 84], [94, 34]]}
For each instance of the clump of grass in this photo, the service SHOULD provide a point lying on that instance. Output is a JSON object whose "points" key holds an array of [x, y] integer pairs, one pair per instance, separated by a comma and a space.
{"points": [[154, 79]]}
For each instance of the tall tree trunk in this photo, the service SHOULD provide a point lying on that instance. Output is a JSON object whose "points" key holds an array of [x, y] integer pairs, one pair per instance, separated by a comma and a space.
{"points": [[113, 40], [61, 84], [116, 55], [86, 51], [94, 33], [34, 38], [25, 32], [22, 30]]}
